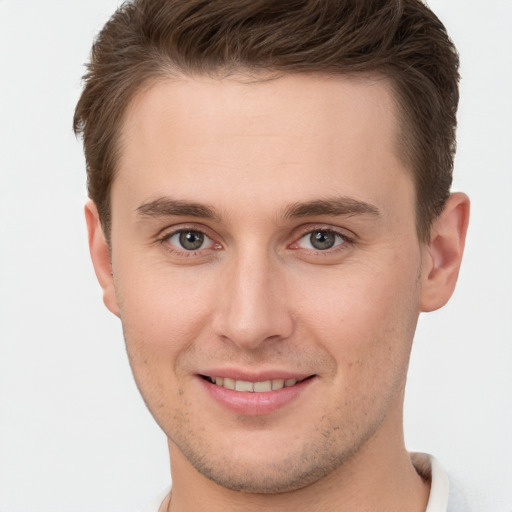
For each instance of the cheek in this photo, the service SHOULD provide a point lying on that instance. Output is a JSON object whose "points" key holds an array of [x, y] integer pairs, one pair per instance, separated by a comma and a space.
{"points": [[162, 317], [163, 311], [365, 317]]}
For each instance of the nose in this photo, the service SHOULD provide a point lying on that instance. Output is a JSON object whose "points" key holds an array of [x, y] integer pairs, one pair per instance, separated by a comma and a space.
{"points": [[253, 308]]}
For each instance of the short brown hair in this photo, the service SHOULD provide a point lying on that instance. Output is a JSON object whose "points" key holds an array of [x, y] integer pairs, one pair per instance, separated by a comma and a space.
{"points": [[401, 40]]}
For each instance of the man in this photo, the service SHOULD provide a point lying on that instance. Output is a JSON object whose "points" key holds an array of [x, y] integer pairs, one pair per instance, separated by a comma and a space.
{"points": [[270, 212]]}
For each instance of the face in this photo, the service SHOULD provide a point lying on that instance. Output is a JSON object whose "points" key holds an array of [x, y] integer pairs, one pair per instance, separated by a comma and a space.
{"points": [[263, 239]]}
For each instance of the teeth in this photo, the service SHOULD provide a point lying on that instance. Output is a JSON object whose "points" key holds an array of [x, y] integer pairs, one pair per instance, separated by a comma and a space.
{"points": [[258, 387], [242, 385], [228, 383], [263, 387], [277, 384]]}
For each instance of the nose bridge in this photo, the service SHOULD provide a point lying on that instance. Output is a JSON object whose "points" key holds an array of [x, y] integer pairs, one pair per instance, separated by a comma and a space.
{"points": [[254, 307]]}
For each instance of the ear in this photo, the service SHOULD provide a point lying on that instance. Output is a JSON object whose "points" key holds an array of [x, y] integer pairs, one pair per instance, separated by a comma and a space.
{"points": [[443, 254], [100, 254]]}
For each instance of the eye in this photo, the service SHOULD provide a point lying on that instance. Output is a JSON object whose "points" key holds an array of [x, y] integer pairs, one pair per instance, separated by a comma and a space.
{"points": [[190, 240], [321, 240]]}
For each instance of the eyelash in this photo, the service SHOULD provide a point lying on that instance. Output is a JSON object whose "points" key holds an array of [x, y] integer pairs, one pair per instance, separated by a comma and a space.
{"points": [[339, 245], [164, 240]]}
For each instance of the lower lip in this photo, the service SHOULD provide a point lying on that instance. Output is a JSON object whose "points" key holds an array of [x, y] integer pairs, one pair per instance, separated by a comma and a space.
{"points": [[255, 404]]}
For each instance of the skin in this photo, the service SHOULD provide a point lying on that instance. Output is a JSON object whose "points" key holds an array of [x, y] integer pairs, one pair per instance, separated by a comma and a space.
{"points": [[257, 296]]}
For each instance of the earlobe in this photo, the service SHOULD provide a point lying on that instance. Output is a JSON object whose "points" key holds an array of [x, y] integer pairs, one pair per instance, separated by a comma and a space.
{"points": [[443, 254], [100, 255]]}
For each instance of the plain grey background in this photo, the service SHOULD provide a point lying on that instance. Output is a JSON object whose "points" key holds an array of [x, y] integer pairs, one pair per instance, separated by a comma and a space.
{"points": [[74, 434]]}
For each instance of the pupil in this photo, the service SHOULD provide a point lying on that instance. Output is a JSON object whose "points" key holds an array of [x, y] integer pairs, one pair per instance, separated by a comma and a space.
{"points": [[191, 240], [322, 240]]}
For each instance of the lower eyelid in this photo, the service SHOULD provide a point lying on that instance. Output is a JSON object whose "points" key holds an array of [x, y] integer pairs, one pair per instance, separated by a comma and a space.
{"points": [[342, 239], [208, 242]]}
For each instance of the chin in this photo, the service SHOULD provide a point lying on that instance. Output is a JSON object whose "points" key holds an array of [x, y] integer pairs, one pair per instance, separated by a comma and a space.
{"points": [[266, 479], [245, 469]]}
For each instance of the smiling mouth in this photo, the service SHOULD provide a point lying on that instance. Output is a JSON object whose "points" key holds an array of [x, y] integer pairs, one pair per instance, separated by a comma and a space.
{"points": [[264, 386]]}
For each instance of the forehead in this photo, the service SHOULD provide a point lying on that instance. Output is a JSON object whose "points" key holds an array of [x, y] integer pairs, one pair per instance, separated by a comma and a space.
{"points": [[299, 134]]}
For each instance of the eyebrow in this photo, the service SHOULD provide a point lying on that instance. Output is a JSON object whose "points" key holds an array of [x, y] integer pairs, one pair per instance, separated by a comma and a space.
{"points": [[338, 206], [168, 207]]}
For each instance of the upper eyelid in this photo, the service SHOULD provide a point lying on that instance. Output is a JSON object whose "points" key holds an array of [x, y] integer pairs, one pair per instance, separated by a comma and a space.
{"points": [[297, 233], [336, 233], [164, 238], [170, 231], [336, 248], [343, 232]]}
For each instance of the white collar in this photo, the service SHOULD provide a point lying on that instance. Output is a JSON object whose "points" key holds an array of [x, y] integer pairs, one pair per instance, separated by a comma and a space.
{"points": [[430, 469]]}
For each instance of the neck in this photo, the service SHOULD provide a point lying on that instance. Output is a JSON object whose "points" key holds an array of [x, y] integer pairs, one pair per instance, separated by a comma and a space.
{"points": [[380, 476]]}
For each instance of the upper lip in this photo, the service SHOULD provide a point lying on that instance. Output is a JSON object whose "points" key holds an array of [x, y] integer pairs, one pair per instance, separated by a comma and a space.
{"points": [[251, 376]]}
